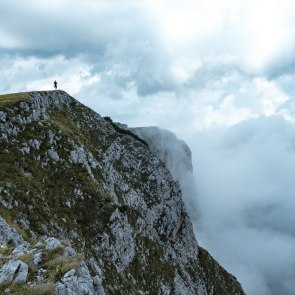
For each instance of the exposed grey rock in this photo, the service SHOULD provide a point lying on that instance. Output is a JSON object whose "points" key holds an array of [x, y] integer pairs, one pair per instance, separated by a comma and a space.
{"points": [[28, 174], [52, 243], [52, 138], [20, 250], [6, 204], [123, 250], [8, 233], [34, 143], [25, 150], [13, 271], [79, 283], [22, 273], [25, 223], [4, 138], [177, 156], [39, 244], [97, 284], [53, 155], [2, 116], [70, 251], [80, 156], [41, 275], [37, 258]]}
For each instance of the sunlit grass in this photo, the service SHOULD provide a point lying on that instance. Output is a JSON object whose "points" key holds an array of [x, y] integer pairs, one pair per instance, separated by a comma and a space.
{"points": [[7, 100]]}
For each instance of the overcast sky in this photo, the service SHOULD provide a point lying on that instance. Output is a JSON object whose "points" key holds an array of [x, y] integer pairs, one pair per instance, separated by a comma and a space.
{"points": [[218, 73]]}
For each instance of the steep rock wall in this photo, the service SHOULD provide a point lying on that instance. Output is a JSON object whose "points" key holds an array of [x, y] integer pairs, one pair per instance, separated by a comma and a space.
{"points": [[177, 156]]}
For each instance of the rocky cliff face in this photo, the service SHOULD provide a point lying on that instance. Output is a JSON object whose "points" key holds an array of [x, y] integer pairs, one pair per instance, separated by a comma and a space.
{"points": [[88, 207], [177, 156]]}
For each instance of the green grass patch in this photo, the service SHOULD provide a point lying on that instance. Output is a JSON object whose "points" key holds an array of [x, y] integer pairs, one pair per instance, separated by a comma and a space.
{"points": [[149, 267], [41, 289], [216, 277], [8, 100], [63, 122], [57, 264]]}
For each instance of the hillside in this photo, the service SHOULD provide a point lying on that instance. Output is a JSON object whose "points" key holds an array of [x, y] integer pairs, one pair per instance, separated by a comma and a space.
{"points": [[88, 208]]}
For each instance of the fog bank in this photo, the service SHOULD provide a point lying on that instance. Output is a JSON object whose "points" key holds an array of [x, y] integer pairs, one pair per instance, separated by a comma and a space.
{"points": [[245, 185]]}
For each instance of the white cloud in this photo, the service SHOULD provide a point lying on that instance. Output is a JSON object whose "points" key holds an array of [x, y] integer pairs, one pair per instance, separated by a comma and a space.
{"points": [[183, 69], [271, 97], [246, 196], [33, 73]]}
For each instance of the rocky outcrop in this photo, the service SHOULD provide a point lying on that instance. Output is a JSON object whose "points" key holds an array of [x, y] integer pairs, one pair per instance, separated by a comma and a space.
{"points": [[70, 177], [76, 283], [13, 272], [173, 151], [52, 243], [176, 154], [8, 234], [54, 267]]}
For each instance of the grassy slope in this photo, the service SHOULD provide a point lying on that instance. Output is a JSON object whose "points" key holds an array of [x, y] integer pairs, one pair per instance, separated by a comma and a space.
{"points": [[43, 192], [8, 100], [51, 185], [42, 198]]}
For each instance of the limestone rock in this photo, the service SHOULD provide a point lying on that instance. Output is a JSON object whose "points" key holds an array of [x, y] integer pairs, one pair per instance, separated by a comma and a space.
{"points": [[70, 252], [53, 155], [20, 250], [8, 233], [52, 243], [13, 271], [37, 258], [74, 283], [115, 197], [177, 156]]}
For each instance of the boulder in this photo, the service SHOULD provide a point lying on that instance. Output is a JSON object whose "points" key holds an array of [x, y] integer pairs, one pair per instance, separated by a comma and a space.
{"points": [[20, 249], [37, 258], [52, 243], [13, 271], [79, 282], [70, 252], [8, 234]]}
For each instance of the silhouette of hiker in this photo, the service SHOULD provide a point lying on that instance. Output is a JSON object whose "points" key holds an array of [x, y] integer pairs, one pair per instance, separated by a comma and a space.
{"points": [[55, 84]]}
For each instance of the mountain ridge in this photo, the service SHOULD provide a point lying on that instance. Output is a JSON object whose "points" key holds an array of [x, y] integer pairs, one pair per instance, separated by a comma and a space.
{"points": [[69, 174]]}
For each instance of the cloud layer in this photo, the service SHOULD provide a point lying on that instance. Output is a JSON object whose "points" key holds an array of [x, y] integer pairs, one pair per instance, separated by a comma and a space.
{"points": [[246, 187]]}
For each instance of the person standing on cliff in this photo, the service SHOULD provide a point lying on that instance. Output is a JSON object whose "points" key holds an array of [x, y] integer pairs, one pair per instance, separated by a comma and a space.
{"points": [[55, 85]]}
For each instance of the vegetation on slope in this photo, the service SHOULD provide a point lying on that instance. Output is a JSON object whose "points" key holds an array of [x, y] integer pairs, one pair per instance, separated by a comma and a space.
{"points": [[55, 180]]}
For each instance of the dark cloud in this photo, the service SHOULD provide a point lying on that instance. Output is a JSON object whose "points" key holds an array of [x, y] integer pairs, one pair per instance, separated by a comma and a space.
{"points": [[137, 62], [71, 27]]}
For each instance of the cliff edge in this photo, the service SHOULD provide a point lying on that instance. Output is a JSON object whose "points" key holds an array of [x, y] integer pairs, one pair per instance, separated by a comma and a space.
{"points": [[87, 207]]}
